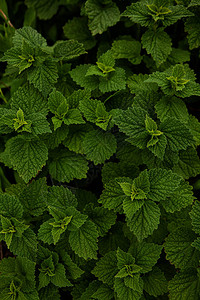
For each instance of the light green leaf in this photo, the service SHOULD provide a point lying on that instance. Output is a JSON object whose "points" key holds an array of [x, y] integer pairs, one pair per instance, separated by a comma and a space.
{"points": [[30, 36]]}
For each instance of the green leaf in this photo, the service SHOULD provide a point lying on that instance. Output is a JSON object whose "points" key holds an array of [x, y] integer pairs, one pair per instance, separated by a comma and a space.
{"points": [[180, 198], [155, 283], [158, 44], [30, 36], [102, 218], [103, 293], [44, 76], [188, 164], [194, 214], [126, 49], [101, 16], [26, 245], [172, 107], [99, 146], [179, 249], [178, 135], [146, 254], [185, 285], [138, 13], [45, 232], [106, 268], [77, 29], [113, 196], [84, 240], [162, 183], [10, 206], [45, 9], [145, 220], [61, 197], [33, 197], [132, 123], [75, 138], [30, 100], [67, 50], [66, 165], [115, 81], [27, 156], [124, 292], [79, 76], [192, 28]]}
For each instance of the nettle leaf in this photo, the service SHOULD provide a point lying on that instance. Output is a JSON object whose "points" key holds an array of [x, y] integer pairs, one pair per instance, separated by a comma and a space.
{"points": [[185, 285], [102, 218], [44, 9], [33, 197], [44, 76], [99, 146], [194, 214], [179, 249], [158, 44], [155, 283], [145, 220], [84, 240], [27, 156], [30, 35], [162, 183], [66, 50], [125, 292], [178, 80], [145, 254], [113, 196], [77, 29], [132, 122], [79, 76], [188, 164], [106, 268], [192, 28], [10, 206], [172, 107], [129, 49], [65, 165], [101, 16]]}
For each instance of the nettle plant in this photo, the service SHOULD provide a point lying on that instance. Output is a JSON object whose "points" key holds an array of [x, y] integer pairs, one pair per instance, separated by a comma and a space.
{"points": [[99, 137]]}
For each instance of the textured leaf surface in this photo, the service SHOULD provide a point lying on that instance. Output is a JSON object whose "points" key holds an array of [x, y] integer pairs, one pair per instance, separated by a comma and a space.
{"points": [[155, 283], [145, 220], [99, 146], [179, 250], [101, 17], [106, 268], [84, 240], [27, 157], [67, 165], [185, 285], [158, 44]]}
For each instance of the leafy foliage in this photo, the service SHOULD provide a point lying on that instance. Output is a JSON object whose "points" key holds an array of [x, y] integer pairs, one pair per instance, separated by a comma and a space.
{"points": [[99, 150]]}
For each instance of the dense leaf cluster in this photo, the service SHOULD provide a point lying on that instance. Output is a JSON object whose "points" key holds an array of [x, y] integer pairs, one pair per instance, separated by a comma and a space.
{"points": [[99, 137]]}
